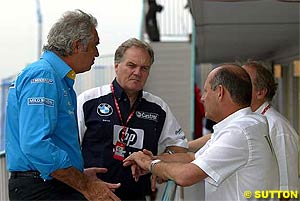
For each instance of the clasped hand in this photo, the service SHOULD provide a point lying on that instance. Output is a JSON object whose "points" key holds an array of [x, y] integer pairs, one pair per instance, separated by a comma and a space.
{"points": [[140, 165], [140, 162]]}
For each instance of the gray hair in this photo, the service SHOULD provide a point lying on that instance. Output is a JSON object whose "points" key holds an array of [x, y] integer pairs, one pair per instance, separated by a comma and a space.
{"points": [[133, 42], [236, 80], [264, 78], [72, 26]]}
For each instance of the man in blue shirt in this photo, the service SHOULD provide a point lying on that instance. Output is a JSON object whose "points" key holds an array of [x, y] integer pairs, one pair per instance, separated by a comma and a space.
{"points": [[42, 145]]}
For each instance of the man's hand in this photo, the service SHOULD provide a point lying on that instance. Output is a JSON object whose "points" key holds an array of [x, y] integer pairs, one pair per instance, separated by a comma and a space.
{"points": [[137, 171], [100, 191], [92, 172], [140, 162], [155, 179], [87, 183]]}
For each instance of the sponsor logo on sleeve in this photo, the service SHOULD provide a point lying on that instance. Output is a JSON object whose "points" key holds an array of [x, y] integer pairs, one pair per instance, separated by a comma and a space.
{"points": [[147, 115], [40, 101], [178, 132], [104, 109], [42, 80]]}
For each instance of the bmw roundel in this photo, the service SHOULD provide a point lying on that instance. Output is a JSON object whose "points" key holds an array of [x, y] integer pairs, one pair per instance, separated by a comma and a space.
{"points": [[104, 109]]}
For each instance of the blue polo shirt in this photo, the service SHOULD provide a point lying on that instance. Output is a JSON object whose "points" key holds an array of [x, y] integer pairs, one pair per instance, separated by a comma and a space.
{"points": [[41, 121]]}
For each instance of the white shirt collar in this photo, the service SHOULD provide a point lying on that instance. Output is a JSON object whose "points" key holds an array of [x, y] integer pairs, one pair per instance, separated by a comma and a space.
{"points": [[227, 120], [262, 107]]}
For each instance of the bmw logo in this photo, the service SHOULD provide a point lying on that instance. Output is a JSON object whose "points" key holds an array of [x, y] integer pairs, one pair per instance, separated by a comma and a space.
{"points": [[104, 109]]}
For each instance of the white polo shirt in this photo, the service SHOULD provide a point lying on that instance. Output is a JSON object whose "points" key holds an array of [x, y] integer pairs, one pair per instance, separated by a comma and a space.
{"points": [[238, 158], [285, 141]]}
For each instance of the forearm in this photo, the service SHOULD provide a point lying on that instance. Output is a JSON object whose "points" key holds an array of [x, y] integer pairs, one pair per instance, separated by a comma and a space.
{"points": [[195, 145], [183, 174], [175, 149], [177, 157], [72, 177]]}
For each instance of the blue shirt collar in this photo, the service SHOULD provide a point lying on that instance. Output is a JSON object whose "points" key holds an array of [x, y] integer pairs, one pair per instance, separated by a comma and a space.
{"points": [[57, 63]]}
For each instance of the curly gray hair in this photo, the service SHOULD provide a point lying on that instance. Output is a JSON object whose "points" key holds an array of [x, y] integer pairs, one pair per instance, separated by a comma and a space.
{"points": [[72, 26]]}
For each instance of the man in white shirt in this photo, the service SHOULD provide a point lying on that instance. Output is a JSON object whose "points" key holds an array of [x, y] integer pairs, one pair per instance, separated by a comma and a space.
{"points": [[283, 136], [237, 159]]}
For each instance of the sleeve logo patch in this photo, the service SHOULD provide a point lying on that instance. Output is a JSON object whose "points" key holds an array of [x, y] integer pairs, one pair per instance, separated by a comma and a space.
{"points": [[40, 101], [42, 80]]}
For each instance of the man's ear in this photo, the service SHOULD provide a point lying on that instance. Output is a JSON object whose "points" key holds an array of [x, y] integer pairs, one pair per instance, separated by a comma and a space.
{"points": [[261, 94], [221, 91], [116, 67], [77, 46]]}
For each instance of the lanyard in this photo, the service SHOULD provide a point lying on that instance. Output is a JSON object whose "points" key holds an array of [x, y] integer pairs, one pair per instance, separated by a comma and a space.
{"points": [[266, 109], [119, 113]]}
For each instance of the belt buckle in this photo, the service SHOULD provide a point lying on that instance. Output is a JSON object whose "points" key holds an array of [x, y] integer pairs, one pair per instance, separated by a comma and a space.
{"points": [[36, 175]]}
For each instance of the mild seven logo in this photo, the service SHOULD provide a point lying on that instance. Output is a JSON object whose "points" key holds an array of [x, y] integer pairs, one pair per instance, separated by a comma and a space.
{"points": [[40, 101]]}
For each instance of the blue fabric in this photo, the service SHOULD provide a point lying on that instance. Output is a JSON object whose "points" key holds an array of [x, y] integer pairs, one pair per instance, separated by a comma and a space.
{"points": [[41, 121]]}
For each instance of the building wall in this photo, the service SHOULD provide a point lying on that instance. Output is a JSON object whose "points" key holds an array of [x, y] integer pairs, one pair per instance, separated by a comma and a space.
{"points": [[171, 79]]}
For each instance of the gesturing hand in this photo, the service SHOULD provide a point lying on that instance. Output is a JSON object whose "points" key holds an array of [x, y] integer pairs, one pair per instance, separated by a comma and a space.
{"points": [[92, 172]]}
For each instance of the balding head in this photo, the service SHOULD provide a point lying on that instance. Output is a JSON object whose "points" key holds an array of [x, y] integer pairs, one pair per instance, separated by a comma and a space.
{"points": [[227, 89], [236, 80]]}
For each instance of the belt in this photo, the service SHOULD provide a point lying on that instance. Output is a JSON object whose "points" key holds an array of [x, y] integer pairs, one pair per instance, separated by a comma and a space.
{"points": [[28, 174]]}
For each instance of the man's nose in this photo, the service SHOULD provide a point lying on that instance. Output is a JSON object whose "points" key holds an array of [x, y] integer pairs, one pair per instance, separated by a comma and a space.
{"points": [[97, 52], [137, 71]]}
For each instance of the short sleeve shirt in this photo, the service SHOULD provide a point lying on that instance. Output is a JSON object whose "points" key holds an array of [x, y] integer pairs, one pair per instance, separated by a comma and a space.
{"points": [[238, 157], [285, 141]]}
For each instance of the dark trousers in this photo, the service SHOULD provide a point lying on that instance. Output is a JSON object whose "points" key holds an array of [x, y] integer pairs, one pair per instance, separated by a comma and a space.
{"points": [[30, 188]]}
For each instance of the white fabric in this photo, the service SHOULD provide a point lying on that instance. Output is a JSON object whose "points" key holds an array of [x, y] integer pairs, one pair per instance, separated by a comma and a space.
{"points": [[285, 141], [238, 158], [82, 98]]}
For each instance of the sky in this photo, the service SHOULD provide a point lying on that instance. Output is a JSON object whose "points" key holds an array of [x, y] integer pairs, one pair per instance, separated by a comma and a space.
{"points": [[118, 20]]}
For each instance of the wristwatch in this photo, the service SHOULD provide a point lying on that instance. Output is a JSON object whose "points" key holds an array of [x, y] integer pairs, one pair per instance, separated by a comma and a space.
{"points": [[170, 151], [153, 163]]}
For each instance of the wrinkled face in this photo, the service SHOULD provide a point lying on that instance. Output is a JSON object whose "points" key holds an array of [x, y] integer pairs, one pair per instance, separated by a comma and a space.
{"points": [[209, 99], [86, 56], [132, 72]]}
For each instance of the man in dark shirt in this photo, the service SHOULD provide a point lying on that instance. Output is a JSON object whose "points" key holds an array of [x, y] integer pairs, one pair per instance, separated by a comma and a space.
{"points": [[118, 119]]}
